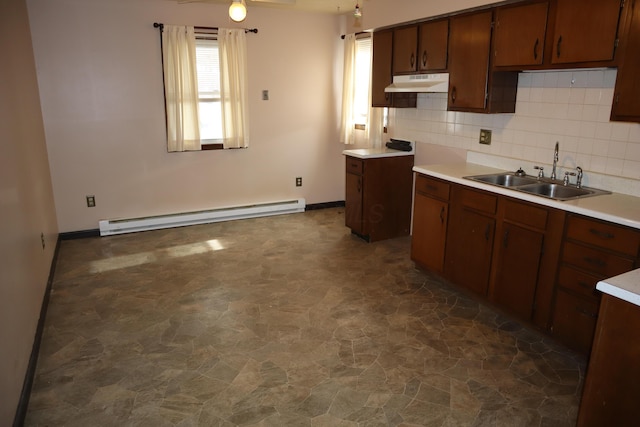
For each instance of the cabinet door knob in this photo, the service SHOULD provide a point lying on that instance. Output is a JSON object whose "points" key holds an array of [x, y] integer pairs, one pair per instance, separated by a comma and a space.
{"points": [[442, 215], [486, 232], [424, 59], [413, 59], [505, 239], [535, 49], [453, 94]]}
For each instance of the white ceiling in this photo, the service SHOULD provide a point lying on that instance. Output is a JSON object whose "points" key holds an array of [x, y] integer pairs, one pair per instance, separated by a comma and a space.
{"points": [[323, 6]]}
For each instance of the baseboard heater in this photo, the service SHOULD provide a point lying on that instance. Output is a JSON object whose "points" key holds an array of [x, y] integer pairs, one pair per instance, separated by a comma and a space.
{"points": [[121, 226]]}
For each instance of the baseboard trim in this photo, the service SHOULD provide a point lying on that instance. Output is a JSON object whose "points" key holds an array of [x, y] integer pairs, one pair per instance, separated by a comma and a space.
{"points": [[82, 234], [23, 403], [325, 205]]}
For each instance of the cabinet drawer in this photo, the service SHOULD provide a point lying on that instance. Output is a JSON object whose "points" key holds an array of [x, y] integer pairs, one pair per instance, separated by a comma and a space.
{"points": [[596, 261], [604, 235], [432, 187], [526, 214], [355, 165], [484, 202], [580, 282]]}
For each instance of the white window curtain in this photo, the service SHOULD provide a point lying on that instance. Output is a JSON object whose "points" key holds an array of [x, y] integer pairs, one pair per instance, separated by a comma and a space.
{"points": [[347, 125], [181, 88], [234, 90], [375, 119]]}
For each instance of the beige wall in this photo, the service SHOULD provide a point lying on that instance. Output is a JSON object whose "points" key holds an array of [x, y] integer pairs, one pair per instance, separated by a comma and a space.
{"points": [[26, 205], [99, 70]]}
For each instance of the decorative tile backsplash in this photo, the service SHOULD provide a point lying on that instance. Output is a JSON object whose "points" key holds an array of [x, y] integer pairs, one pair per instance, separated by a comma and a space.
{"points": [[571, 107]]}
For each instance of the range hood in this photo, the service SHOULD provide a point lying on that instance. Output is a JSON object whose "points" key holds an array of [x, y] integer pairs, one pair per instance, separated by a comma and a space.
{"points": [[420, 83]]}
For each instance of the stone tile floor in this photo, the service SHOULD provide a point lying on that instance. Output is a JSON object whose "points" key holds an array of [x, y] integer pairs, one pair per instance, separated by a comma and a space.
{"points": [[283, 321]]}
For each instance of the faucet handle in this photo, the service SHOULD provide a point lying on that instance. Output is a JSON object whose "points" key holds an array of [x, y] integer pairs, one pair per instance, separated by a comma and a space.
{"points": [[579, 179], [565, 181], [541, 173]]}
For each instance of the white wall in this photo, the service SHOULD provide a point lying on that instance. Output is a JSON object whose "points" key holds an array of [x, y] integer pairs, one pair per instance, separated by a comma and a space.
{"points": [[100, 80], [26, 205]]}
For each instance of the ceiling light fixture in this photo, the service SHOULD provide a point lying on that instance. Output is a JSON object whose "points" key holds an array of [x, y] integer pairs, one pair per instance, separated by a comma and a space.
{"points": [[357, 11], [238, 10]]}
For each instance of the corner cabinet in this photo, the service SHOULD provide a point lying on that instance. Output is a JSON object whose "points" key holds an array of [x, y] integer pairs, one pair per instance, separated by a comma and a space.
{"points": [[472, 87], [378, 196], [430, 217], [626, 98]]}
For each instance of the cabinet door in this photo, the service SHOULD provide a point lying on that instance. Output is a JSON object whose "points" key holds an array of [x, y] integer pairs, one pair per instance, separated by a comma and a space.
{"points": [[429, 232], [574, 320], [469, 248], [585, 30], [353, 203], [381, 73], [517, 264], [405, 47], [433, 46], [626, 100], [469, 44], [519, 34]]}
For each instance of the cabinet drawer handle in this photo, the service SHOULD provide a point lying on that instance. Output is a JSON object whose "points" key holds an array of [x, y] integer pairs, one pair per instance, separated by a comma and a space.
{"points": [[413, 59], [486, 232], [535, 49], [558, 46], [602, 234], [505, 239], [595, 261], [424, 59], [586, 313], [432, 187], [442, 215]]}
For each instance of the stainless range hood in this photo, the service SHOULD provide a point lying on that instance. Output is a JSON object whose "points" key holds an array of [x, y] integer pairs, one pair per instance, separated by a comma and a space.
{"points": [[420, 83]]}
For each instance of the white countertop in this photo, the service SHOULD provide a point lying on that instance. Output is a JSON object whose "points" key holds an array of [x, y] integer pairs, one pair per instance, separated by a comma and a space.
{"points": [[616, 208], [625, 286], [374, 153]]}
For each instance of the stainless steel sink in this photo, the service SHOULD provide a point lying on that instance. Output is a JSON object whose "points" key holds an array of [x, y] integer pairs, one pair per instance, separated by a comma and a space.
{"points": [[560, 192], [539, 187], [504, 179]]}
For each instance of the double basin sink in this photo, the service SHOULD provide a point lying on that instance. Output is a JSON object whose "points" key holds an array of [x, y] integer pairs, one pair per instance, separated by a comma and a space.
{"points": [[537, 186]]}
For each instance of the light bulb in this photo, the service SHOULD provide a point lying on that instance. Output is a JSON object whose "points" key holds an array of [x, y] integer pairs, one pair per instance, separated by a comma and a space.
{"points": [[357, 12], [237, 11]]}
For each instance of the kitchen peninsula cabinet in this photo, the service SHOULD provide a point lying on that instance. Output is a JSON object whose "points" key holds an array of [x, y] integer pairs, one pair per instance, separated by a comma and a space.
{"points": [[592, 250], [520, 34], [585, 31], [378, 193], [470, 238], [382, 74], [472, 88], [612, 383], [430, 218], [626, 98]]}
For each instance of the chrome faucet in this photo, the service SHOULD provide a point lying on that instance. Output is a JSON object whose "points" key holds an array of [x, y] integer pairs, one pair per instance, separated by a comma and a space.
{"points": [[579, 180], [555, 161]]}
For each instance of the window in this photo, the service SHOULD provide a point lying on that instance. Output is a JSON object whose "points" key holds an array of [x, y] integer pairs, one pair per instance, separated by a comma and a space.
{"points": [[209, 103], [362, 82]]}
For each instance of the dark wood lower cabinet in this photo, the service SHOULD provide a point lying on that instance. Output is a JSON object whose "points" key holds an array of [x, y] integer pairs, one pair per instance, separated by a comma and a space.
{"points": [[612, 383]]}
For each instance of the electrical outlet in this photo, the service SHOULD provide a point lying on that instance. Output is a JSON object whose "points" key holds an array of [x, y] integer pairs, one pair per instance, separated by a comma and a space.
{"points": [[299, 181], [91, 201], [485, 137]]}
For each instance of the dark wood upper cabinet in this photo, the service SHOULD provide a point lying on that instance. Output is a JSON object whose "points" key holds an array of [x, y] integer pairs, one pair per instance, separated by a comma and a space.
{"points": [[382, 74], [405, 48], [519, 34], [626, 100], [585, 31], [433, 44], [472, 87]]}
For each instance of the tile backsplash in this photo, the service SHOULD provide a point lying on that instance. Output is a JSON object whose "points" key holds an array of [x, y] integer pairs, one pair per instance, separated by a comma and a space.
{"points": [[571, 107]]}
